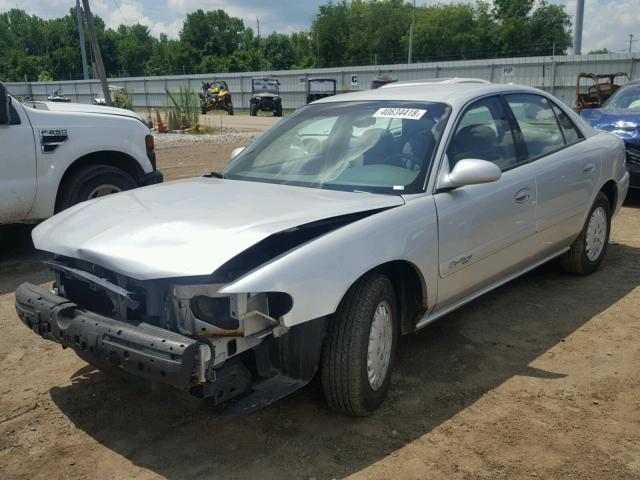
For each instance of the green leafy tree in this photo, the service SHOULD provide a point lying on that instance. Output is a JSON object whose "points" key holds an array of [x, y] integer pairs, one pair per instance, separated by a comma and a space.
{"points": [[277, 52], [133, 44]]}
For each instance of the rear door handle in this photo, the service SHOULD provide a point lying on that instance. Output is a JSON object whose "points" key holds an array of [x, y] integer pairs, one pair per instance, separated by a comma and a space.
{"points": [[588, 168], [522, 196]]}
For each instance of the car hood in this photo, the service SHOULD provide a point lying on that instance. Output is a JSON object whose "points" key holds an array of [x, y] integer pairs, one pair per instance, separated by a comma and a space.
{"points": [[623, 122], [191, 227], [83, 108]]}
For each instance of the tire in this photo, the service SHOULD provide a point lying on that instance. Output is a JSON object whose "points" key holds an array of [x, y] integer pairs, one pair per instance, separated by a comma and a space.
{"points": [[344, 369], [253, 110], [578, 260], [278, 111], [86, 184], [230, 110], [203, 110]]}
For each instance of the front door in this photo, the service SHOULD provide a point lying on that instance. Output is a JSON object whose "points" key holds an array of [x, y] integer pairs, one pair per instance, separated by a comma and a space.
{"points": [[17, 166], [486, 231]]}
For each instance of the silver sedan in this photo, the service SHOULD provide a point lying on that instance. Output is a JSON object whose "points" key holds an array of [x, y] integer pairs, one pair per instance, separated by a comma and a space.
{"points": [[359, 218]]}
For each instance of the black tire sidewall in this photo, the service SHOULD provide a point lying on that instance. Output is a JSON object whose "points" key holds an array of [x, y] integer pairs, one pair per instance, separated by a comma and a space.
{"points": [[372, 399], [80, 185]]}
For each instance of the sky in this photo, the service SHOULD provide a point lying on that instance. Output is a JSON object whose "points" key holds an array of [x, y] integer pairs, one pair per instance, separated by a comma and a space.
{"points": [[607, 23]]}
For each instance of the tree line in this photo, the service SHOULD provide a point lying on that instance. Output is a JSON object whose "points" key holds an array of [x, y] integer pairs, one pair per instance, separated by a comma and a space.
{"points": [[343, 33]]}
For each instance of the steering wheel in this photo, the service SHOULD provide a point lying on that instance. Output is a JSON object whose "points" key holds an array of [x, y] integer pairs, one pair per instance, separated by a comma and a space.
{"points": [[403, 160]]}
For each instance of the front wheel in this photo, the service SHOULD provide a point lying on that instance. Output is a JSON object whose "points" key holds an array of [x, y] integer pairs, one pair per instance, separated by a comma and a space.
{"points": [[91, 182], [359, 348], [253, 110], [588, 250]]}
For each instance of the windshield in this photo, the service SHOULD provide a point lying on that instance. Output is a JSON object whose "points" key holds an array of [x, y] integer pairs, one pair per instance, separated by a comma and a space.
{"points": [[626, 97], [322, 86], [372, 146], [270, 86]]}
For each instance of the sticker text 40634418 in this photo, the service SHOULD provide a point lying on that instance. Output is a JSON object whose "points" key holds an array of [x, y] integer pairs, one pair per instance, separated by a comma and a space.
{"points": [[408, 113]]}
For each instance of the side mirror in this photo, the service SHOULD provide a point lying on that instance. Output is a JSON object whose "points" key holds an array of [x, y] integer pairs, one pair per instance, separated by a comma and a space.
{"points": [[235, 152], [472, 172], [5, 117]]}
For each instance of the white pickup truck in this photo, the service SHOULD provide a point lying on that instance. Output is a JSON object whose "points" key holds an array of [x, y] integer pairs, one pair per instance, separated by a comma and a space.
{"points": [[54, 155]]}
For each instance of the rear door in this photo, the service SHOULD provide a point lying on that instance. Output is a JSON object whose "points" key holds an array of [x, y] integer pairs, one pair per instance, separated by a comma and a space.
{"points": [[485, 231], [17, 166], [564, 176]]}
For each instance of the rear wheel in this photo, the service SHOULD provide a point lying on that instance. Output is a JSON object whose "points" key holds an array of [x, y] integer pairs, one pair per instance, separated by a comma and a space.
{"points": [[588, 250], [92, 182], [358, 350]]}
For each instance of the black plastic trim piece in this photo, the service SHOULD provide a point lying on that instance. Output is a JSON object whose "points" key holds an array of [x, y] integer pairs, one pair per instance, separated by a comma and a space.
{"points": [[141, 349]]}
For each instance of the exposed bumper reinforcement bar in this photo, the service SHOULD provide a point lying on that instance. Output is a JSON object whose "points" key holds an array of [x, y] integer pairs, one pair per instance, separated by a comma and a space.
{"points": [[141, 349]]}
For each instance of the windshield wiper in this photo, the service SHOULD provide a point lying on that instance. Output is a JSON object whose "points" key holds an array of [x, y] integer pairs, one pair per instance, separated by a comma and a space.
{"points": [[215, 175]]}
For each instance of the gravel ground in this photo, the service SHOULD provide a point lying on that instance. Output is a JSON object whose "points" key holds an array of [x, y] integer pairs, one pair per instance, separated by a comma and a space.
{"points": [[224, 138]]}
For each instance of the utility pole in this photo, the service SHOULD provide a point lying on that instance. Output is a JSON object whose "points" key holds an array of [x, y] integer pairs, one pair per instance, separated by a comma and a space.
{"points": [[630, 41], [83, 52], [413, 21], [96, 51], [577, 28], [259, 51]]}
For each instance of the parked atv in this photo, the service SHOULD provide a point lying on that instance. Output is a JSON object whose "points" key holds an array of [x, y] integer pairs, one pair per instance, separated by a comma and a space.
{"points": [[318, 88], [265, 97], [215, 96], [58, 96]]}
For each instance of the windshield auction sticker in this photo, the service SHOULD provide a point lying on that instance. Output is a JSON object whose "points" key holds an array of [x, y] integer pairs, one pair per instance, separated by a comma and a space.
{"points": [[408, 113]]}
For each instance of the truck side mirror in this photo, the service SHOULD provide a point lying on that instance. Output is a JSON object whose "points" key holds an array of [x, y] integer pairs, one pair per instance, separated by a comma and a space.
{"points": [[5, 117]]}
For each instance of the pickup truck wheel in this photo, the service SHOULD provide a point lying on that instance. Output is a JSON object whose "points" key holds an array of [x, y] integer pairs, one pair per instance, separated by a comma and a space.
{"points": [[588, 250], [358, 350], [93, 182]]}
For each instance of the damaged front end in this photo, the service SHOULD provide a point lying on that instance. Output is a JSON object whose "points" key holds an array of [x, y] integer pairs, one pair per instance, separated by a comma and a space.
{"points": [[181, 333]]}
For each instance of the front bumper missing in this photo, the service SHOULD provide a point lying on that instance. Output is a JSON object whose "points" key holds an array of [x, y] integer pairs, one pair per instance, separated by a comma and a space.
{"points": [[143, 350]]}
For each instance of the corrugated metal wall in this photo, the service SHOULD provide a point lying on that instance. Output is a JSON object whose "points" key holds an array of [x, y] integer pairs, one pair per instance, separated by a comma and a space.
{"points": [[556, 75]]}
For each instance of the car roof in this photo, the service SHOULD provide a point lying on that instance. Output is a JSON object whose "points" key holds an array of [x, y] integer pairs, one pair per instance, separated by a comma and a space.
{"points": [[455, 94]]}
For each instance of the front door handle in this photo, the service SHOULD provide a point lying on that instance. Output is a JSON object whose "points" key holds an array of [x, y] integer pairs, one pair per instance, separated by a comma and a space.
{"points": [[522, 196], [588, 168]]}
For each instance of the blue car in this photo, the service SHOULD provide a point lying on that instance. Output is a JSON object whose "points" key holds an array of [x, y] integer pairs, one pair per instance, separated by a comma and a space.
{"points": [[620, 114]]}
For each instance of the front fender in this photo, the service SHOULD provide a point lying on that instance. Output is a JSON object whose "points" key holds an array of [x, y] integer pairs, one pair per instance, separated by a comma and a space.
{"points": [[318, 274]]}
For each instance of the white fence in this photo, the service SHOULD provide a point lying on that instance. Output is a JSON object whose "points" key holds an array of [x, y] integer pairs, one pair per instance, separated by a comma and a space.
{"points": [[556, 75]]}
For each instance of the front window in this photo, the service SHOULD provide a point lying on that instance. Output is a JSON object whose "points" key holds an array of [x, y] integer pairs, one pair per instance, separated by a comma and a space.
{"points": [[626, 97], [372, 146], [266, 86]]}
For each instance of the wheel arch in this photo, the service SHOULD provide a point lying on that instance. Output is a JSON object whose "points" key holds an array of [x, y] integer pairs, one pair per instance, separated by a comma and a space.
{"points": [[610, 189], [112, 158], [410, 289]]}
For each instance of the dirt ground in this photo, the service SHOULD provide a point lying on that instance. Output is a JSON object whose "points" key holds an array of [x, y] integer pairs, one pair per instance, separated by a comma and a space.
{"points": [[538, 379]]}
